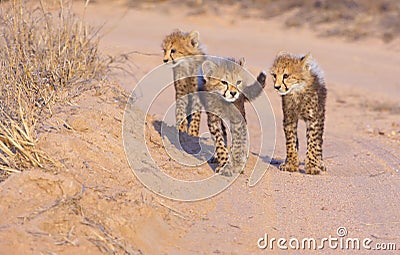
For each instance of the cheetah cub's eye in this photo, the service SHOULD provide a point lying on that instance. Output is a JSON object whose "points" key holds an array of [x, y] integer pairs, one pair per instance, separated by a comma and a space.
{"points": [[273, 76], [173, 51], [285, 76], [224, 82], [238, 82]]}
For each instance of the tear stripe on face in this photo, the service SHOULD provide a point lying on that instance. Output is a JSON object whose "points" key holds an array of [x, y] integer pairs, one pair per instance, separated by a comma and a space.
{"points": [[177, 62], [294, 86]]}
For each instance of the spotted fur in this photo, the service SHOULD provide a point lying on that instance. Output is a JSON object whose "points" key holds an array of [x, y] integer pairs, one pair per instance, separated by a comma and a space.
{"points": [[225, 82], [300, 83], [176, 47]]}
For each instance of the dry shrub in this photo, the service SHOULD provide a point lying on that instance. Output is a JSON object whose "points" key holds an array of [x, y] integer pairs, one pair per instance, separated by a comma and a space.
{"points": [[45, 58], [382, 106], [351, 19]]}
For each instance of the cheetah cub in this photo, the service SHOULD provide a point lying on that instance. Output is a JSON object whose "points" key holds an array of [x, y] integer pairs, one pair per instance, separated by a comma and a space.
{"points": [[176, 47], [300, 83], [224, 80]]}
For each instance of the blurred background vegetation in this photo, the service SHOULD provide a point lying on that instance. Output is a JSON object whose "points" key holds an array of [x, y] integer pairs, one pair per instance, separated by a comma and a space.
{"points": [[351, 19]]}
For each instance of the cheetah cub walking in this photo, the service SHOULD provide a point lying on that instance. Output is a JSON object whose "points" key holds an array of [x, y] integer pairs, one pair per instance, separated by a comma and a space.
{"points": [[299, 81], [176, 47], [224, 80]]}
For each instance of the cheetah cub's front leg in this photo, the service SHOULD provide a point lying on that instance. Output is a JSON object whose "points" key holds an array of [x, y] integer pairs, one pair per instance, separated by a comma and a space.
{"points": [[221, 152], [292, 159], [181, 106], [239, 142]]}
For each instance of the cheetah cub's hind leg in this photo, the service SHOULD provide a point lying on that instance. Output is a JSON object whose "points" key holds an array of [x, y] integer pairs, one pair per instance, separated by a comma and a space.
{"points": [[314, 162], [182, 102], [194, 125]]}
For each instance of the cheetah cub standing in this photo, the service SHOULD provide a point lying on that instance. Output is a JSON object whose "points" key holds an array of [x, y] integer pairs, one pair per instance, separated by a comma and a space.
{"points": [[176, 47], [299, 81], [224, 80]]}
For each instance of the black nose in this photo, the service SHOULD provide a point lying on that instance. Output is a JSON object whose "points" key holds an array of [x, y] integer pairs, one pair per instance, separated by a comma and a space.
{"points": [[277, 87], [233, 93], [165, 60]]}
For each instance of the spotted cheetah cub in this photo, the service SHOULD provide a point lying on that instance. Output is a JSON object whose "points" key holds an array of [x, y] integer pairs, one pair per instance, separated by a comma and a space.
{"points": [[300, 83], [176, 47], [224, 80]]}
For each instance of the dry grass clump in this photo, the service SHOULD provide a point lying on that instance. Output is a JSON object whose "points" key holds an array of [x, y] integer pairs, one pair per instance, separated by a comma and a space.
{"points": [[45, 58]]}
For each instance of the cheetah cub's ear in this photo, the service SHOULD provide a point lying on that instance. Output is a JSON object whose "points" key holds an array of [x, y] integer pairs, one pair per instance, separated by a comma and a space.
{"points": [[194, 38], [305, 61], [242, 61], [207, 68]]}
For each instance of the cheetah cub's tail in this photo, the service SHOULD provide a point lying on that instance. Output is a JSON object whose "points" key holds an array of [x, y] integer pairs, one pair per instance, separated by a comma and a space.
{"points": [[253, 91]]}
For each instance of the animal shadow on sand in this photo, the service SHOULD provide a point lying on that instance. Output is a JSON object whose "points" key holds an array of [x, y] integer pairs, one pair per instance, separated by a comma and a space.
{"points": [[200, 148], [276, 162]]}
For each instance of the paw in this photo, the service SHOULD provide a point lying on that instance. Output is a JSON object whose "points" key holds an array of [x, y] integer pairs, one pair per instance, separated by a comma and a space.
{"points": [[213, 160], [261, 78], [221, 157], [288, 167], [315, 169], [223, 170], [226, 172], [238, 169], [229, 170]]}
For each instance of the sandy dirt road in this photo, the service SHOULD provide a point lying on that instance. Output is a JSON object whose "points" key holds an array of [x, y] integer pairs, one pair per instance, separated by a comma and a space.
{"points": [[360, 190]]}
